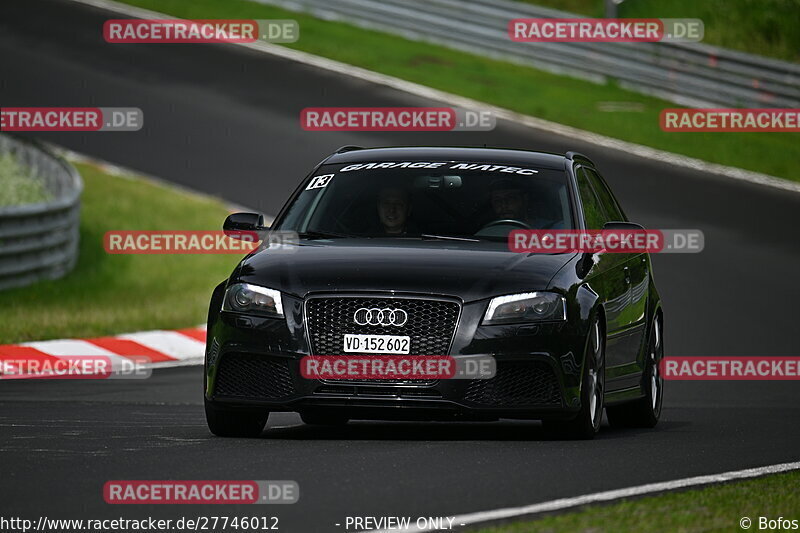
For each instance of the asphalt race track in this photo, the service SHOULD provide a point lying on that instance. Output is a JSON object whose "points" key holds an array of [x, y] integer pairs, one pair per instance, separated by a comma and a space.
{"points": [[226, 121]]}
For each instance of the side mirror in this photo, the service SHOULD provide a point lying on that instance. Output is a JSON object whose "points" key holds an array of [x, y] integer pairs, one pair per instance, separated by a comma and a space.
{"points": [[237, 224], [244, 222], [630, 226]]}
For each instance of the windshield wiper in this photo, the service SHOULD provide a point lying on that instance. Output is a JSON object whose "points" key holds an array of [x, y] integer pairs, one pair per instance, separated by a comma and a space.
{"points": [[448, 238], [313, 234]]}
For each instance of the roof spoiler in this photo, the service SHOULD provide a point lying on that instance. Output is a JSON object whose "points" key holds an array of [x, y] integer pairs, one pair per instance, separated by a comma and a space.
{"points": [[576, 155], [348, 148]]}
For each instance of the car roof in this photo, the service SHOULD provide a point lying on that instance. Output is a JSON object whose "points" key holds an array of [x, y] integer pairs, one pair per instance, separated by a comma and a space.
{"points": [[446, 153]]}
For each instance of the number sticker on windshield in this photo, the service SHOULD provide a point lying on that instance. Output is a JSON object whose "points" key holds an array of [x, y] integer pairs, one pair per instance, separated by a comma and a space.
{"points": [[319, 182]]}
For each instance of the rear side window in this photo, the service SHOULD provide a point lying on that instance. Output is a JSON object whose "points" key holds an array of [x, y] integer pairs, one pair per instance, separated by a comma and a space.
{"points": [[610, 206], [592, 209]]}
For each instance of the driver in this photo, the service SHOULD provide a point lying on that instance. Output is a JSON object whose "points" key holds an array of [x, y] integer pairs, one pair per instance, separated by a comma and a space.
{"points": [[509, 200], [394, 207]]}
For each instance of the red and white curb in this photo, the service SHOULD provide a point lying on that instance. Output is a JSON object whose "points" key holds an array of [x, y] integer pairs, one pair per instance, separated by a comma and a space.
{"points": [[164, 348]]}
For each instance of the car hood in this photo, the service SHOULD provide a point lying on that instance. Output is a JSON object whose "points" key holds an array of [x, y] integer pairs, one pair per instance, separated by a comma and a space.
{"points": [[470, 271]]}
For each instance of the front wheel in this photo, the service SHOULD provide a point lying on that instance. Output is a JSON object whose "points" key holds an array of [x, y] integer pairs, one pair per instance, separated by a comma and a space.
{"points": [[229, 422], [644, 412], [587, 423]]}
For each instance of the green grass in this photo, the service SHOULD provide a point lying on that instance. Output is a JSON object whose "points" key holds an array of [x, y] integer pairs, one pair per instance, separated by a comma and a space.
{"points": [[765, 27], [526, 90], [716, 508], [109, 294], [18, 185]]}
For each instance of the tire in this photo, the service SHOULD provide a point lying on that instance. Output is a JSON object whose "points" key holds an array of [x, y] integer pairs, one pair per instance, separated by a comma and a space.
{"points": [[587, 423], [323, 419], [228, 422], [644, 412]]}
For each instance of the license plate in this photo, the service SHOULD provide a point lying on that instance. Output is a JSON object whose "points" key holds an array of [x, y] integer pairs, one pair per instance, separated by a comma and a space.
{"points": [[377, 343]]}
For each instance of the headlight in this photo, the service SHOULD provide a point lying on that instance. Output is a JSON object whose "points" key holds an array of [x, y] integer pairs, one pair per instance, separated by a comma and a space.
{"points": [[252, 299], [527, 307]]}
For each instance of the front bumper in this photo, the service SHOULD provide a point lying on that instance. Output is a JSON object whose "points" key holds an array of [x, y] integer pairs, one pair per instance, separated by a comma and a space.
{"points": [[255, 362]]}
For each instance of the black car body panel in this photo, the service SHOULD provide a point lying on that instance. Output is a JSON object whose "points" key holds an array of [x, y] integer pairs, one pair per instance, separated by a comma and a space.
{"points": [[452, 268]]}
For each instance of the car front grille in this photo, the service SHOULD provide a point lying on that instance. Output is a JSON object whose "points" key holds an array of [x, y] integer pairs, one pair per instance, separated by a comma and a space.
{"points": [[430, 326], [253, 377], [517, 385]]}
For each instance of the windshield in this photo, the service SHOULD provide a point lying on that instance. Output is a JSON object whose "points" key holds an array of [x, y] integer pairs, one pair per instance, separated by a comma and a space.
{"points": [[467, 200]]}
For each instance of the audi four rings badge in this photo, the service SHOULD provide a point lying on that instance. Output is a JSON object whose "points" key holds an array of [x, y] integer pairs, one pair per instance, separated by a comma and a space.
{"points": [[380, 317]]}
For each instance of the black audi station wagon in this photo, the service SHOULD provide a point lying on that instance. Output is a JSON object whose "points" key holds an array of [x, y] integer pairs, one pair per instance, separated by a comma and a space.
{"points": [[411, 245]]}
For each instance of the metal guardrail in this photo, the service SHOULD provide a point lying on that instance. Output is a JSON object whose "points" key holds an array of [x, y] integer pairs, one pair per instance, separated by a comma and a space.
{"points": [[692, 74], [40, 241]]}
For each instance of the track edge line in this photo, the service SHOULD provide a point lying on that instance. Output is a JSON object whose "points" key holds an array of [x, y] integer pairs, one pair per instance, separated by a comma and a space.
{"points": [[610, 495], [645, 152]]}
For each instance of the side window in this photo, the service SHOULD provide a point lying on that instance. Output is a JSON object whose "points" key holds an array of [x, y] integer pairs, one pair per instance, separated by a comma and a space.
{"points": [[609, 204], [592, 210]]}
